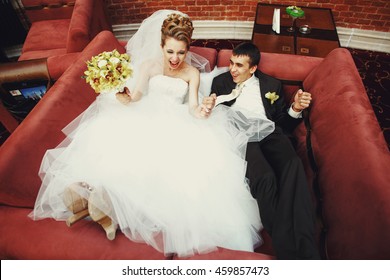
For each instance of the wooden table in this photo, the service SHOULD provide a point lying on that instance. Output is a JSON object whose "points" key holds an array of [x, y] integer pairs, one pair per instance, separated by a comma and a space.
{"points": [[319, 42]]}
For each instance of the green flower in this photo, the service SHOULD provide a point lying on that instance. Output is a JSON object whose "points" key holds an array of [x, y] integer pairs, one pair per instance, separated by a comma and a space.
{"points": [[108, 71], [272, 96], [295, 11]]}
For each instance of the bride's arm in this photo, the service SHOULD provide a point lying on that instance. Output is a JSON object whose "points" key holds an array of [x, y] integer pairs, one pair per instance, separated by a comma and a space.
{"points": [[145, 72], [198, 111]]}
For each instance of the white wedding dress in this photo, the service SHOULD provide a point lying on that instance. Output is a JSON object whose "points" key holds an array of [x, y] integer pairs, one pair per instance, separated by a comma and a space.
{"points": [[174, 181]]}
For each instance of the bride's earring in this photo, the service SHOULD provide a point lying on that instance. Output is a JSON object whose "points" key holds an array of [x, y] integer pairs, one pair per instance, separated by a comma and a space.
{"points": [[76, 203], [100, 197]]}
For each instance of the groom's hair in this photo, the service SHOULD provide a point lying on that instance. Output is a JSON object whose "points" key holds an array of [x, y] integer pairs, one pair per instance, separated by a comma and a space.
{"points": [[248, 49]]}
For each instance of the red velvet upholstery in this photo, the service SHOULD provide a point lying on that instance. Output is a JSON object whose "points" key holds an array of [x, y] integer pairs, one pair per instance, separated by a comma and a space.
{"points": [[349, 149], [209, 53], [69, 96], [70, 32], [37, 10], [282, 66], [20, 158], [24, 238], [353, 160]]}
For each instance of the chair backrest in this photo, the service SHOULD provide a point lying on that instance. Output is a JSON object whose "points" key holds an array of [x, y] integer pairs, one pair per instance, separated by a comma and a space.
{"points": [[47, 10]]}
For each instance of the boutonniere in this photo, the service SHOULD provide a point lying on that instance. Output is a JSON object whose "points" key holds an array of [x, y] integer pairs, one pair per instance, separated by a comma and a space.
{"points": [[272, 96]]}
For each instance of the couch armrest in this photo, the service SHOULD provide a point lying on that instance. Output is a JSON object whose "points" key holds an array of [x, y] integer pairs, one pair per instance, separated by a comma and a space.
{"points": [[35, 69], [353, 161], [88, 19], [80, 25], [22, 152]]}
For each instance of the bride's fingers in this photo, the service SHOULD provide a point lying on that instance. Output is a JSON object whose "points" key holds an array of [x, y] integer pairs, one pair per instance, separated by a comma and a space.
{"points": [[205, 108], [126, 90]]}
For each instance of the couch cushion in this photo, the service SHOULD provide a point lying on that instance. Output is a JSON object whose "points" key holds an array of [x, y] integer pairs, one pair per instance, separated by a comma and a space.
{"points": [[208, 53], [47, 35], [227, 254], [353, 161], [24, 238], [22, 152]]}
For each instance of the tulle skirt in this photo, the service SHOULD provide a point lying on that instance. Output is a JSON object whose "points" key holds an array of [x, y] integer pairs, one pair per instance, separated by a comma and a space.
{"points": [[173, 181]]}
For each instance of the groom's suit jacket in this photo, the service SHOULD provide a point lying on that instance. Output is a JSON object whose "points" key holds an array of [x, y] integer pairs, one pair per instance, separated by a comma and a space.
{"points": [[277, 112]]}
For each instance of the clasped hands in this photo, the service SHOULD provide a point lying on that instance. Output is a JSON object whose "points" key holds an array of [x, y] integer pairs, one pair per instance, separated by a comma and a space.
{"points": [[124, 96], [208, 103]]}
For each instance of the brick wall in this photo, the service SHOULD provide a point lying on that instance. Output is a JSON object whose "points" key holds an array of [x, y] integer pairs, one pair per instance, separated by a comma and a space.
{"points": [[360, 14]]}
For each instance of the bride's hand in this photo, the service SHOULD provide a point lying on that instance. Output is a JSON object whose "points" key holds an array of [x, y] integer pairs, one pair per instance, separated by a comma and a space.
{"points": [[202, 112], [124, 96]]}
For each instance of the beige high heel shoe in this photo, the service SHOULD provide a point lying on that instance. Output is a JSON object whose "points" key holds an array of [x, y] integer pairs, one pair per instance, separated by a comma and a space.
{"points": [[75, 202], [100, 197]]}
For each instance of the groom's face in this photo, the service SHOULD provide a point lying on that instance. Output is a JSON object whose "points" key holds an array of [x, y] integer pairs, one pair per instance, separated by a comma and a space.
{"points": [[240, 68]]}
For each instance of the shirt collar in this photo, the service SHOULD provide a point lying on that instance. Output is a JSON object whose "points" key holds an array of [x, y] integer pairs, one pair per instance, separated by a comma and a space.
{"points": [[250, 81]]}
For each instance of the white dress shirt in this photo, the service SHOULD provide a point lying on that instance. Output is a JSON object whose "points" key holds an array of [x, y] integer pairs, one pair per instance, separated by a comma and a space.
{"points": [[250, 103]]}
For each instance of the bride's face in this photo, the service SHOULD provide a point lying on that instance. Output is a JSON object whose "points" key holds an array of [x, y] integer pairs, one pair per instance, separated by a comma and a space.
{"points": [[175, 52]]}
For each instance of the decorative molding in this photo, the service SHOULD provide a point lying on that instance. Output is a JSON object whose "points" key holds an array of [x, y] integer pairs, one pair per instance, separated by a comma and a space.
{"points": [[242, 30], [364, 39]]}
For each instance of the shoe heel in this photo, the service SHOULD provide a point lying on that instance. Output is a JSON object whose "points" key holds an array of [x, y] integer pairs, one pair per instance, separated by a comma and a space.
{"points": [[77, 217], [109, 227], [77, 204], [101, 198]]}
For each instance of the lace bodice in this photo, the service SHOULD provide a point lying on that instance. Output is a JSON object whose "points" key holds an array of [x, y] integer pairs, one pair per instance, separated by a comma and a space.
{"points": [[170, 89]]}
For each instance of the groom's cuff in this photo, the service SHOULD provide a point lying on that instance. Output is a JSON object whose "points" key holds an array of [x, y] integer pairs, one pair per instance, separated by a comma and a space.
{"points": [[292, 113]]}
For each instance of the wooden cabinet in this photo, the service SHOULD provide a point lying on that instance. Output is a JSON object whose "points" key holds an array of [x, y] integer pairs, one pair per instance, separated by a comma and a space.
{"points": [[319, 42]]}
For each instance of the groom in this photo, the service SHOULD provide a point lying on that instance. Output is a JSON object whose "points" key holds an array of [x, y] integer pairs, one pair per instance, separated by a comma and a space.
{"points": [[275, 172]]}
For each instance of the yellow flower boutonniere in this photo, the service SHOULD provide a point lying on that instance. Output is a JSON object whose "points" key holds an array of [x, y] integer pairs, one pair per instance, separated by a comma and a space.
{"points": [[272, 96]]}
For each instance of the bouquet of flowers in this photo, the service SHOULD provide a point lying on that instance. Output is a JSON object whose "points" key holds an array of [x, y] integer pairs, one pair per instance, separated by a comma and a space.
{"points": [[108, 71]]}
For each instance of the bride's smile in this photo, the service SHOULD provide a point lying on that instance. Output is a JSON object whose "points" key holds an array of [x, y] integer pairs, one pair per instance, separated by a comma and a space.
{"points": [[175, 52]]}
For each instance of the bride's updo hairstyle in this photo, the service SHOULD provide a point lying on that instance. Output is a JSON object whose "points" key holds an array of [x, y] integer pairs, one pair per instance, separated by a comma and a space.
{"points": [[178, 27]]}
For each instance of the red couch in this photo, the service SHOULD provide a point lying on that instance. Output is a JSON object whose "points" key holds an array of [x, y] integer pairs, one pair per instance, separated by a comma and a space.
{"points": [[349, 157], [60, 30]]}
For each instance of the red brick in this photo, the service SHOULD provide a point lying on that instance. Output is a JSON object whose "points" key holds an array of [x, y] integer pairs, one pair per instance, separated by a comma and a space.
{"points": [[134, 11]]}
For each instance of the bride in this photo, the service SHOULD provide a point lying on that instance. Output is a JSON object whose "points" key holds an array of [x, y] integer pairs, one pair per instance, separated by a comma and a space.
{"points": [[155, 164]]}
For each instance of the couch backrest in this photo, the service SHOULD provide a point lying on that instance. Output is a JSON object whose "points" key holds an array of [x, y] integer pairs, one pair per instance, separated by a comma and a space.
{"points": [[282, 66], [291, 69], [37, 10], [22, 152], [353, 161]]}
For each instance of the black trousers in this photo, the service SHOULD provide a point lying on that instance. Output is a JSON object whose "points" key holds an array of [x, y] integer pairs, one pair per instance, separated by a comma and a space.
{"points": [[278, 183]]}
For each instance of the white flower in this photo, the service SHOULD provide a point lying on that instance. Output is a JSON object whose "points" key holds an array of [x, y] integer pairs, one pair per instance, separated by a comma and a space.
{"points": [[102, 63], [114, 60]]}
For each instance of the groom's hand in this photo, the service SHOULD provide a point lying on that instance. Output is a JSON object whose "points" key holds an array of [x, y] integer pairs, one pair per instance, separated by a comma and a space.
{"points": [[208, 104], [302, 100]]}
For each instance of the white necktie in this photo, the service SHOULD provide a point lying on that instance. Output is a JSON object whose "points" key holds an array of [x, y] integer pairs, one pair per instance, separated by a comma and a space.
{"points": [[233, 95]]}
